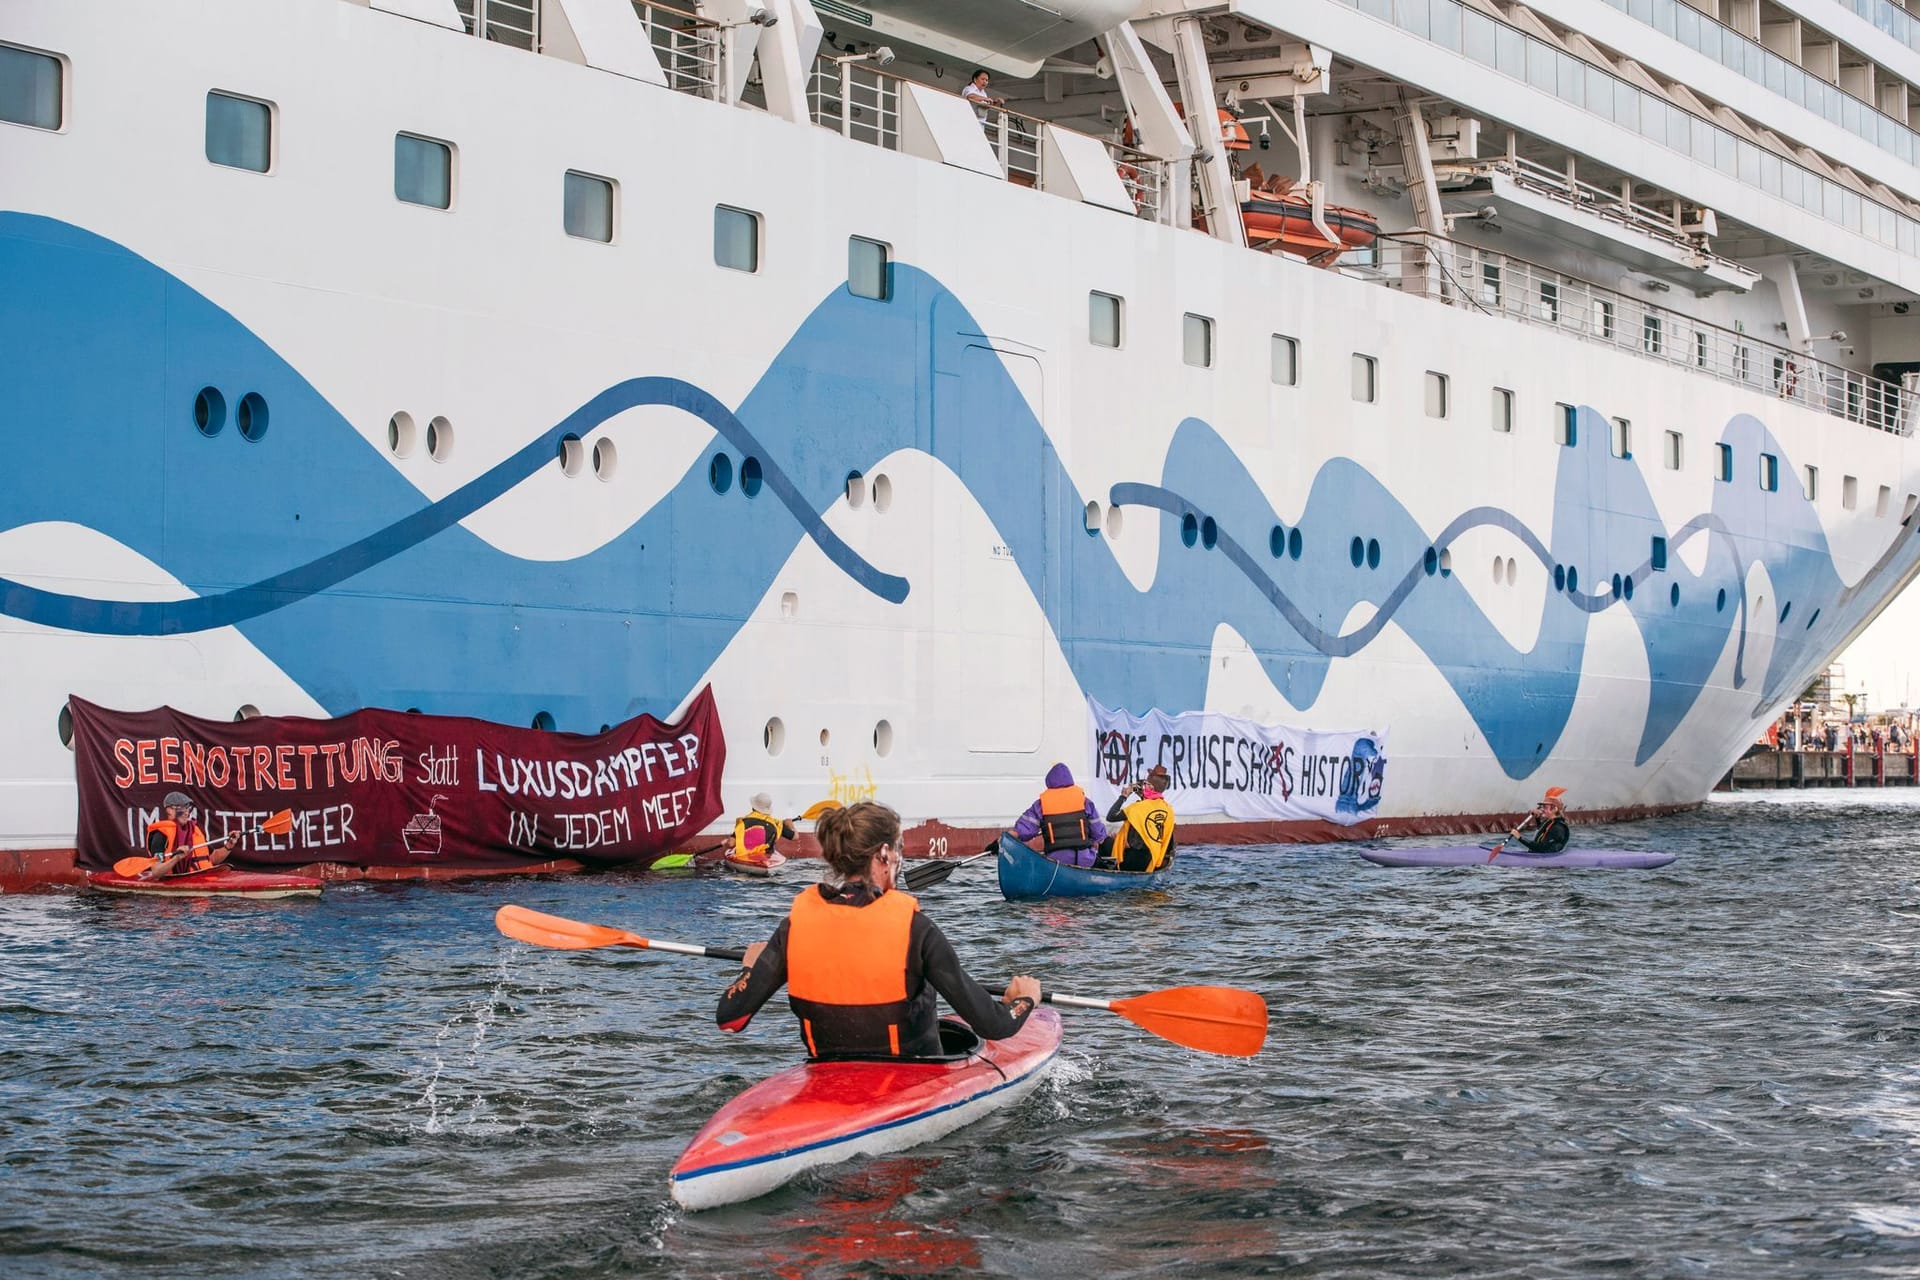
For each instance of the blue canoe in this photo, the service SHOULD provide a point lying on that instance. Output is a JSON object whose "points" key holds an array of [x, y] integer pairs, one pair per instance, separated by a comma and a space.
{"points": [[1473, 855], [1025, 875]]}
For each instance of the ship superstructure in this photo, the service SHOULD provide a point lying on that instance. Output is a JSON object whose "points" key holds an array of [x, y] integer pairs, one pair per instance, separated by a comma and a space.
{"points": [[1528, 383]]}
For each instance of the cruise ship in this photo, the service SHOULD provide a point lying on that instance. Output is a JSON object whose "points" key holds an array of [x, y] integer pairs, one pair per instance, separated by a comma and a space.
{"points": [[1528, 385]]}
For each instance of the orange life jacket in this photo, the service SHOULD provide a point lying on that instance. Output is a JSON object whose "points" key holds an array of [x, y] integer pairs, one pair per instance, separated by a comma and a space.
{"points": [[166, 837], [1063, 819], [847, 974]]}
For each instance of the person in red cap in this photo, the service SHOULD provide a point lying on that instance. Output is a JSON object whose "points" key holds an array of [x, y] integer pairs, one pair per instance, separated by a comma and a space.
{"points": [[1549, 821]]}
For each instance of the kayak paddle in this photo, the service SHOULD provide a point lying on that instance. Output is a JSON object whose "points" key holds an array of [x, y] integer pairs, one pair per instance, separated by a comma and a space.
{"points": [[278, 825], [1222, 1020], [681, 861], [933, 871]]}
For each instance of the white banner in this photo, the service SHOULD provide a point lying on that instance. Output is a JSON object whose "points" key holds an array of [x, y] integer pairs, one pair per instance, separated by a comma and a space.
{"points": [[1250, 772]]}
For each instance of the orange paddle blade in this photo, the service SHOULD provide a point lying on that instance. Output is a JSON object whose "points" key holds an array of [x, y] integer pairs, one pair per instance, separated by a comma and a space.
{"points": [[559, 932], [279, 824], [1224, 1020], [132, 866], [817, 808]]}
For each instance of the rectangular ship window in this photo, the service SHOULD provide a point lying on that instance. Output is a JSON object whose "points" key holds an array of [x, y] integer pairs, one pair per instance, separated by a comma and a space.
{"points": [[1659, 557], [1676, 450], [1364, 380], [422, 171], [1286, 361], [736, 238], [868, 269], [587, 207], [1849, 492], [1436, 394], [1880, 503], [1652, 335], [1700, 348], [1769, 473], [1196, 341], [1550, 302], [1811, 483], [1566, 425], [1603, 318], [239, 132], [1490, 283], [1724, 456], [32, 88], [1103, 319], [1622, 438], [1502, 409]]}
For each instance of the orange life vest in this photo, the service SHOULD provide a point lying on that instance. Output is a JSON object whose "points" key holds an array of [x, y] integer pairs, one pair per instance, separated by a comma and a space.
{"points": [[1063, 819], [166, 837], [847, 974]]}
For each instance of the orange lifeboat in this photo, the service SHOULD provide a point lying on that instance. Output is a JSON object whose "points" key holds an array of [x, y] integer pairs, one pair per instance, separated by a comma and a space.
{"points": [[1284, 221]]}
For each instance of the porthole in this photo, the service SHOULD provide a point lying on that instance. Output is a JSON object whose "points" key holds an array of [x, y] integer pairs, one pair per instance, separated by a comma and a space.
{"points": [[1293, 543], [572, 454], [1573, 579], [209, 411], [439, 439], [64, 726], [1446, 563], [543, 721], [1673, 595], [826, 736], [751, 476], [789, 604], [605, 727], [1720, 601], [400, 435], [774, 736], [247, 711], [1786, 609], [1114, 523], [883, 738], [856, 489], [720, 473], [1357, 552], [1092, 522], [1373, 553], [1209, 533], [1618, 590], [1189, 528], [251, 416], [1627, 583], [606, 458], [413, 711], [1559, 577], [1432, 561], [1277, 542], [1499, 569], [882, 493], [1815, 618], [1513, 571]]}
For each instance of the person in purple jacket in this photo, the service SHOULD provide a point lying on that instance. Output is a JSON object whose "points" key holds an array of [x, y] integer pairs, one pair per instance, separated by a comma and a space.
{"points": [[1068, 825]]}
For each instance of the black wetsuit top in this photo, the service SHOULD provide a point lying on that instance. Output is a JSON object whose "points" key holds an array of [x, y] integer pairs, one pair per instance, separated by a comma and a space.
{"points": [[1551, 838], [932, 967]]}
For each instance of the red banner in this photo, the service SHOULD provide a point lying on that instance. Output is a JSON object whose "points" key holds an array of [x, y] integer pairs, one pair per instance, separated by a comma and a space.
{"points": [[392, 789]]}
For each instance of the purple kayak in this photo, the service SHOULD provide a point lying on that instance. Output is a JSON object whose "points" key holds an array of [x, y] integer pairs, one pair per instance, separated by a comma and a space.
{"points": [[1477, 855]]}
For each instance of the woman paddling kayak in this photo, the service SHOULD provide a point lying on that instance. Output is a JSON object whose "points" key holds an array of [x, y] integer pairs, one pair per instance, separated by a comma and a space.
{"points": [[861, 963]]}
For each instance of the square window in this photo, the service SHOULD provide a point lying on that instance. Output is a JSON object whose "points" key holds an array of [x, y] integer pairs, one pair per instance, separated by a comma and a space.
{"points": [[1723, 456], [1810, 483], [1849, 492], [1502, 409], [422, 171], [736, 238], [1436, 394], [31, 88], [1676, 447], [1566, 425], [1286, 361], [588, 207], [1103, 319], [239, 132], [1622, 438], [1364, 379], [1769, 473], [1196, 341], [1658, 559], [868, 275]]}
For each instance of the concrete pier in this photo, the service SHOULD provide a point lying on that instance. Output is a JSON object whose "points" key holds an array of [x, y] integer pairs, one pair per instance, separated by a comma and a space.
{"points": [[1773, 769]]}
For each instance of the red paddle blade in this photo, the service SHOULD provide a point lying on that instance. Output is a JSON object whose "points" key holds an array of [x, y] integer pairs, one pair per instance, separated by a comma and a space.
{"points": [[560, 933], [1223, 1020], [279, 824]]}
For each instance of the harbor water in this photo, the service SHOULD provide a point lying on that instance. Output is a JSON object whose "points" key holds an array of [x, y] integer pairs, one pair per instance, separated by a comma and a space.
{"points": [[1707, 1070]]}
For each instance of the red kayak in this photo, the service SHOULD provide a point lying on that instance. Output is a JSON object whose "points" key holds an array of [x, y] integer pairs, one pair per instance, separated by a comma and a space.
{"points": [[821, 1113], [220, 882]]}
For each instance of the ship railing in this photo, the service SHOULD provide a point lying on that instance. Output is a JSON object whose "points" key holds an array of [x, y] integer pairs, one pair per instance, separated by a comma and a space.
{"points": [[1604, 203], [855, 100], [1474, 278], [1016, 141], [1144, 177], [509, 22], [691, 49]]}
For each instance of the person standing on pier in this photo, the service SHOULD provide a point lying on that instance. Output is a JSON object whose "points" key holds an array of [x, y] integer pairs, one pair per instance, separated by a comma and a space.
{"points": [[1549, 821]]}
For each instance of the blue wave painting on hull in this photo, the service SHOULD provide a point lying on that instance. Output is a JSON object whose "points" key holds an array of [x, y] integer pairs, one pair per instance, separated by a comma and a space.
{"points": [[323, 555]]}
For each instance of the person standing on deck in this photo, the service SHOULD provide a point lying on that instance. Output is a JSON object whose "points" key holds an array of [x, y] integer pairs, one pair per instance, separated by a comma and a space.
{"points": [[1144, 840], [1068, 825], [975, 93], [755, 835]]}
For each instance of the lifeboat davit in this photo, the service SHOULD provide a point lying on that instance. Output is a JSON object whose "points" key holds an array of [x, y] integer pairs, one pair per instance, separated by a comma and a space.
{"points": [[1285, 222]]}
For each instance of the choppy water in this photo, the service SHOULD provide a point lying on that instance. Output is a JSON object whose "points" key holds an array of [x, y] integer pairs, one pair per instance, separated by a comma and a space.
{"points": [[1709, 1070]]}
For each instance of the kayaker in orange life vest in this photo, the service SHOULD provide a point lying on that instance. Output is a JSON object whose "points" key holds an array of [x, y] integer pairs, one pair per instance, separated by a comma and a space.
{"points": [[180, 844], [1068, 825], [860, 962], [755, 835]]}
